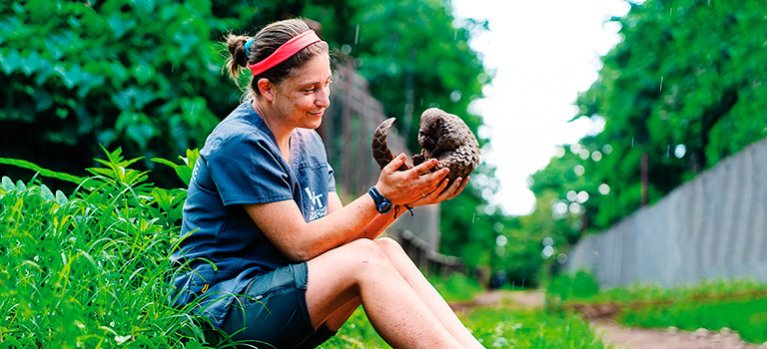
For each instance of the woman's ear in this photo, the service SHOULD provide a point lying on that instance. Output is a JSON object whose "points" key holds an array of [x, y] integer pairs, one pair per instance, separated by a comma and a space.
{"points": [[265, 88]]}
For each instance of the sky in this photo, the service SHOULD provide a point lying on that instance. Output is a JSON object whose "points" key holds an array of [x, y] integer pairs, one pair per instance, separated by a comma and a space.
{"points": [[544, 53]]}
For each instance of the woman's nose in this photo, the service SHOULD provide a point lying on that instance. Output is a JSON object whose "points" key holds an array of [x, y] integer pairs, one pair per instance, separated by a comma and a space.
{"points": [[323, 98]]}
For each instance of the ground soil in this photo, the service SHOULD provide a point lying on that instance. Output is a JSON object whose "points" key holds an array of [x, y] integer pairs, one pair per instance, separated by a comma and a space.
{"points": [[616, 335]]}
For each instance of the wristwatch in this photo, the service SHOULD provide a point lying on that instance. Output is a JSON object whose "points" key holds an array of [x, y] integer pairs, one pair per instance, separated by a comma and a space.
{"points": [[383, 204]]}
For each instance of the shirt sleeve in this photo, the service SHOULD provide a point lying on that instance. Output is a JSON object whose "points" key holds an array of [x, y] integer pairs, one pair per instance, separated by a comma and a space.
{"points": [[248, 170], [331, 179]]}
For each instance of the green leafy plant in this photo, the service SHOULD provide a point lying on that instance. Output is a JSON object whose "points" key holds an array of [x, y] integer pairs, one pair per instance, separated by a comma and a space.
{"points": [[90, 269], [579, 285]]}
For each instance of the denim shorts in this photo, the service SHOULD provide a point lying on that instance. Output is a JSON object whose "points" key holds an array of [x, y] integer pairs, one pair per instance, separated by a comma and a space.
{"points": [[272, 312]]}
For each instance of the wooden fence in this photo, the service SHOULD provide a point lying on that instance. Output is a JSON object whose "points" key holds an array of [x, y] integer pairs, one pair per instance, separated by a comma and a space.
{"points": [[347, 131]]}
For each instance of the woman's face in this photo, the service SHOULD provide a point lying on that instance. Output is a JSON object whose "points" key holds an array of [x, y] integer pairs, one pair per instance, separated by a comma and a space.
{"points": [[302, 98]]}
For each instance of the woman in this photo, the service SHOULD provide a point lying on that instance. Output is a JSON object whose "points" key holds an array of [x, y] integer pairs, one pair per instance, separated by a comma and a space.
{"points": [[273, 254]]}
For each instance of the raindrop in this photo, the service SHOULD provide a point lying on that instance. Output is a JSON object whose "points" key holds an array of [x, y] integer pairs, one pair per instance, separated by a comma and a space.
{"points": [[661, 84], [356, 34], [607, 149], [484, 132], [579, 170], [680, 150], [548, 241], [584, 154], [575, 148], [559, 152], [487, 194], [583, 196], [501, 240], [571, 196], [575, 208], [596, 156], [559, 209], [547, 252], [562, 258], [455, 96], [346, 49], [604, 189]]}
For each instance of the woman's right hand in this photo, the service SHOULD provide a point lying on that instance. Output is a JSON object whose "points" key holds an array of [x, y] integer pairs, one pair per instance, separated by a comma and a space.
{"points": [[402, 187]]}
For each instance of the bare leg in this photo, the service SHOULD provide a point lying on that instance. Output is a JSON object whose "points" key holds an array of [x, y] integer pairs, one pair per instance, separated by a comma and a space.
{"points": [[427, 292], [361, 269], [339, 317]]}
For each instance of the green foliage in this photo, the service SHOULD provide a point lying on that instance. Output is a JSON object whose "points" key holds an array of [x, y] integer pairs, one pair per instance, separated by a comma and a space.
{"points": [[682, 90], [185, 169], [580, 285], [111, 72], [90, 269], [687, 73], [395, 45], [747, 317], [740, 305], [494, 327], [502, 328], [147, 75], [456, 287], [654, 293]]}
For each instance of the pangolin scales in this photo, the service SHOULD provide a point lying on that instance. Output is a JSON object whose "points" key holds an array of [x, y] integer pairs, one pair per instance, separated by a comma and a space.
{"points": [[442, 136]]}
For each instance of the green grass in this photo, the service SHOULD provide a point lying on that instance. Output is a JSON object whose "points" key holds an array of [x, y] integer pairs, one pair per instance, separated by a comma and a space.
{"points": [[500, 327], [747, 317], [740, 305], [90, 270], [508, 328], [456, 287]]}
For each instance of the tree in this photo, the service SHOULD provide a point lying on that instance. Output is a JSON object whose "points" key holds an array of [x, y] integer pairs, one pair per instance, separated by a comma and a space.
{"points": [[681, 91], [146, 76]]}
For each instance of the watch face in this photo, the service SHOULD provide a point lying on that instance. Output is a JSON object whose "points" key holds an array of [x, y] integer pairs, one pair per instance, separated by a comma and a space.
{"points": [[384, 206]]}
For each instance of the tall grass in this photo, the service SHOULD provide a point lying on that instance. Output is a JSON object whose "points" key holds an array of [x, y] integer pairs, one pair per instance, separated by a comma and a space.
{"points": [[89, 269]]}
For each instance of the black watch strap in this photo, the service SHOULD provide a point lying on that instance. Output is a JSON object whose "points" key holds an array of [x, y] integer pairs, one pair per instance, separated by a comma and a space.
{"points": [[383, 205]]}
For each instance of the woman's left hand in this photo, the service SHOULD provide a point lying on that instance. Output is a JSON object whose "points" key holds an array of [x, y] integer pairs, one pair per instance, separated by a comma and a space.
{"points": [[442, 192]]}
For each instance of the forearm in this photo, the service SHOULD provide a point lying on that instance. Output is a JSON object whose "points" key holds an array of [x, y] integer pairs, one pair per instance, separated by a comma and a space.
{"points": [[380, 223], [359, 219]]}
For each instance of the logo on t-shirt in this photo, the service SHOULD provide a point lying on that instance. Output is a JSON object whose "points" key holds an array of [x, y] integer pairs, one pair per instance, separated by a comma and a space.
{"points": [[318, 208]]}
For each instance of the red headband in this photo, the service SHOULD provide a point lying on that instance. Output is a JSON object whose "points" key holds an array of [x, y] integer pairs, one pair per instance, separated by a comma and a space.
{"points": [[291, 47]]}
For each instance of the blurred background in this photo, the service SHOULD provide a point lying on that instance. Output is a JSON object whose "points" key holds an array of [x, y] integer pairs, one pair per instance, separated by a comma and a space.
{"points": [[677, 91]]}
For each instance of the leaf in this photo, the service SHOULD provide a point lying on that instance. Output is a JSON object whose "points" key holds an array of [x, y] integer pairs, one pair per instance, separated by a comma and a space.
{"points": [[9, 61], [43, 172], [7, 184], [61, 199], [33, 62], [46, 193]]}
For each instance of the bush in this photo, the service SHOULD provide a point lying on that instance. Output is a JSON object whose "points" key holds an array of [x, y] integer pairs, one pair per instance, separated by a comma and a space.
{"points": [[90, 269], [566, 287]]}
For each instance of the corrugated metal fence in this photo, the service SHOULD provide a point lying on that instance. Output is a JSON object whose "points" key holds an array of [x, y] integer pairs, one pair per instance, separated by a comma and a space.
{"points": [[348, 131], [713, 227]]}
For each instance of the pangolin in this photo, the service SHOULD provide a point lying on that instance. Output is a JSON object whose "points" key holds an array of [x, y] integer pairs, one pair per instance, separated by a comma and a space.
{"points": [[442, 136]]}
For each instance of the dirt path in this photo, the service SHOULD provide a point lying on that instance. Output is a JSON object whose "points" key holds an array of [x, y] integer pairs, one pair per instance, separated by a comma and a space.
{"points": [[637, 338], [619, 336]]}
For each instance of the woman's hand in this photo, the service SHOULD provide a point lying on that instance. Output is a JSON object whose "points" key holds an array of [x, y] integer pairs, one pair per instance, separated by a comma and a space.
{"points": [[442, 193], [417, 183]]}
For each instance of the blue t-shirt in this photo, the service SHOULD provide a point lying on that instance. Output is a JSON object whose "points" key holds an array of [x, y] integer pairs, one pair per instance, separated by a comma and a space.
{"points": [[221, 247]]}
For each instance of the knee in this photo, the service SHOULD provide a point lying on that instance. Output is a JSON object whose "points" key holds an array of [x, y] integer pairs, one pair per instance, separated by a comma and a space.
{"points": [[389, 245], [366, 250]]}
